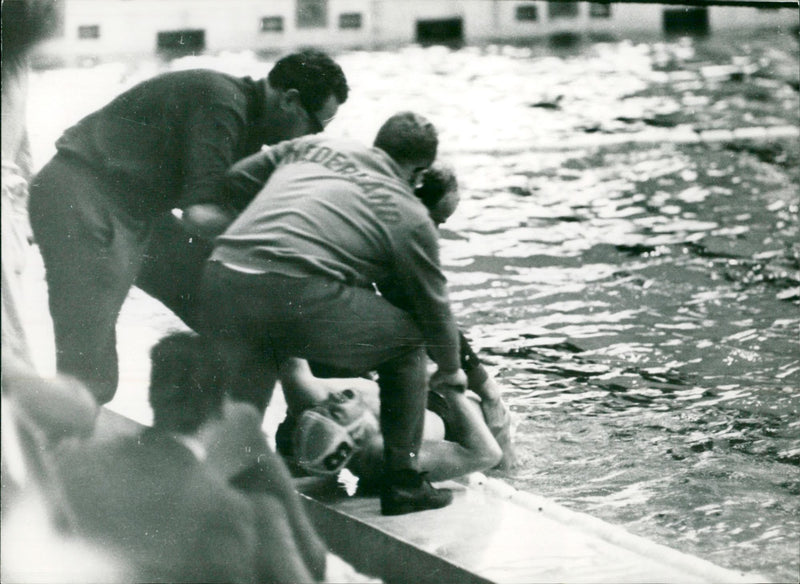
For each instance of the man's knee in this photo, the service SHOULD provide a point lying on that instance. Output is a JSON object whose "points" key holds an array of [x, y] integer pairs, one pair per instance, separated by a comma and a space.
{"points": [[412, 356], [100, 380], [407, 367]]}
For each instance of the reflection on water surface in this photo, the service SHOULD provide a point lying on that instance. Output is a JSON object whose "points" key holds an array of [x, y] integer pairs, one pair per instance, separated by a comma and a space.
{"points": [[640, 302]]}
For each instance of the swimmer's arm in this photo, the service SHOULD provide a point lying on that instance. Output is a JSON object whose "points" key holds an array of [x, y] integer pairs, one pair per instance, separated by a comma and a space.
{"points": [[478, 379], [495, 411], [498, 419], [300, 387], [474, 448]]}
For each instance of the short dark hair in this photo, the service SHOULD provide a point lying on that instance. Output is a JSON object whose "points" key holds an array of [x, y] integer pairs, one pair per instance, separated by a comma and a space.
{"points": [[437, 181], [186, 386], [313, 74], [408, 138]]}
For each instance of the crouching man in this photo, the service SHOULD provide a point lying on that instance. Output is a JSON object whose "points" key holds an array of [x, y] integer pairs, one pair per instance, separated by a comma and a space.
{"points": [[293, 277]]}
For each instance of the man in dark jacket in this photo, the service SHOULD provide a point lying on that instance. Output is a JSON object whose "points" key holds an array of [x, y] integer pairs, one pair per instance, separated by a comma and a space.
{"points": [[164, 144]]}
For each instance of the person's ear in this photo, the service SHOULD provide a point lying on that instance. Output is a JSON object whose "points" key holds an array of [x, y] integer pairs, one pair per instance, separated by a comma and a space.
{"points": [[290, 100]]}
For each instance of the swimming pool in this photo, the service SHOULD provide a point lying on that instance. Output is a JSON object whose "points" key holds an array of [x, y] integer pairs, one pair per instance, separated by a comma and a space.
{"points": [[636, 291]]}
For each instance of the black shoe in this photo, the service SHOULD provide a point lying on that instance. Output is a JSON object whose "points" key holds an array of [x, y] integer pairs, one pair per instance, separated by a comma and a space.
{"points": [[408, 491]]}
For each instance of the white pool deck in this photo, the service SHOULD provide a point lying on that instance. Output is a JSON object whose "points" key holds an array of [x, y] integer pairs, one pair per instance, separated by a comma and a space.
{"points": [[492, 533]]}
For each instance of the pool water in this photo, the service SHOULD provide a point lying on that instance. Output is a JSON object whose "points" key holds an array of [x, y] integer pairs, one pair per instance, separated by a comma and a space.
{"points": [[643, 317], [639, 302]]}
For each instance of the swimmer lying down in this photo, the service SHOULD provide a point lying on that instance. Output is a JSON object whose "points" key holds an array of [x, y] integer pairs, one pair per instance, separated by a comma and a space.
{"points": [[333, 423]]}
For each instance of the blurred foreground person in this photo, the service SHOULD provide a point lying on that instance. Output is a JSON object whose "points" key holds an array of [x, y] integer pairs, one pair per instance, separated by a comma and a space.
{"points": [[37, 413], [34, 550], [118, 173], [293, 277], [154, 502], [39, 543], [59, 407], [25, 24], [237, 450]]}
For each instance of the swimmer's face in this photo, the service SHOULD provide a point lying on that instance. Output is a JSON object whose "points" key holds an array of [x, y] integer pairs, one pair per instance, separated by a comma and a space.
{"points": [[345, 406], [348, 409]]}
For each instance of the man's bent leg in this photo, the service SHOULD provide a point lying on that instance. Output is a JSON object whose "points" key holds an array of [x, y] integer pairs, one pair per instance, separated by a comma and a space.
{"points": [[326, 321], [357, 329], [173, 268], [354, 328], [228, 314], [91, 253], [403, 392]]}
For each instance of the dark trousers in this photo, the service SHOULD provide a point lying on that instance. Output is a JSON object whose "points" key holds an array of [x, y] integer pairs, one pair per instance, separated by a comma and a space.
{"points": [[92, 250], [172, 268], [261, 319]]}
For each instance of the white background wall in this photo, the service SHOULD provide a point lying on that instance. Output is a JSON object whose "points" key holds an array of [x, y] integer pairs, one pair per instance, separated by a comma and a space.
{"points": [[131, 27]]}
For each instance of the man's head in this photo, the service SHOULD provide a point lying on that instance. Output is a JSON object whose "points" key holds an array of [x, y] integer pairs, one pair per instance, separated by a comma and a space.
{"points": [[411, 141], [185, 386], [439, 191], [304, 92], [327, 436]]}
